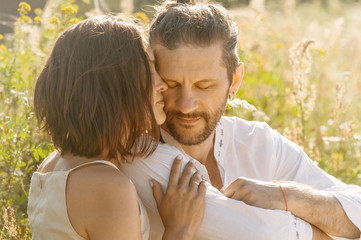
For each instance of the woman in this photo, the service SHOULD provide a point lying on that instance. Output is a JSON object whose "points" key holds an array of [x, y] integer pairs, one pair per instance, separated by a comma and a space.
{"points": [[99, 97]]}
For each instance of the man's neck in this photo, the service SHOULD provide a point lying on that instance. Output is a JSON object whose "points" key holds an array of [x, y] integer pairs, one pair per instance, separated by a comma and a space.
{"points": [[201, 151], [204, 154]]}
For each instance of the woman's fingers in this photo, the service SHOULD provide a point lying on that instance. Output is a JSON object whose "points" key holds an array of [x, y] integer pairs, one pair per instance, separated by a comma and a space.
{"points": [[187, 174], [202, 189], [175, 172], [188, 182], [157, 191], [182, 206], [195, 181]]}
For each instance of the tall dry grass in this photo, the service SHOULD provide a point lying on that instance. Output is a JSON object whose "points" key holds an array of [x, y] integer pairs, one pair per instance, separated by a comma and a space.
{"points": [[303, 69]]}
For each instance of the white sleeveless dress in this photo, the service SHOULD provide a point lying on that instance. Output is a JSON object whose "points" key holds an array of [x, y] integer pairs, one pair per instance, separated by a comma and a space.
{"points": [[47, 210]]}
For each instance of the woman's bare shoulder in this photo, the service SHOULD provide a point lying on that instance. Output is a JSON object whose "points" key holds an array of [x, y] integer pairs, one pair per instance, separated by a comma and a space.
{"points": [[101, 178], [99, 197]]}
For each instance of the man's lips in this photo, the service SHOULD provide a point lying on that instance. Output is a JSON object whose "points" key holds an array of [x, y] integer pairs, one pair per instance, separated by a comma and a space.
{"points": [[188, 120]]}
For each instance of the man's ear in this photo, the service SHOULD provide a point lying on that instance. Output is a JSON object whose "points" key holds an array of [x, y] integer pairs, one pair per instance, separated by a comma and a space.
{"points": [[237, 79]]}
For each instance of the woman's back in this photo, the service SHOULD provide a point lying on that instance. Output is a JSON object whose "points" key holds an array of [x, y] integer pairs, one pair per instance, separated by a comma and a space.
{"points": [[60, 199]]}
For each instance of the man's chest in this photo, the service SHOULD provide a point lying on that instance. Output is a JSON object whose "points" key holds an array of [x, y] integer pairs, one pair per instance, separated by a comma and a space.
{"points": [[213, 172]]}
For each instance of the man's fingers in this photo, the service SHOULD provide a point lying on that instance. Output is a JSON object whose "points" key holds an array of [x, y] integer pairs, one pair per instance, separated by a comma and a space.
{"points": [[175, 172], [157, 191], [229, 191], [236, 185]]}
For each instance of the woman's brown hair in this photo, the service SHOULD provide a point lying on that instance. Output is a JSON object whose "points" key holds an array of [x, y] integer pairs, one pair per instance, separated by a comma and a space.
{"points": [[95, 91]]}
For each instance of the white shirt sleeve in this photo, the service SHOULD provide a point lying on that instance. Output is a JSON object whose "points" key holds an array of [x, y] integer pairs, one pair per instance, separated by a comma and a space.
{"points": [[224, 218], [303, 170]]}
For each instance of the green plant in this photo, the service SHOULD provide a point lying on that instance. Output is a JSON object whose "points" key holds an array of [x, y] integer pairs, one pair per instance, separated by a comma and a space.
{"points": [[23, 147]]}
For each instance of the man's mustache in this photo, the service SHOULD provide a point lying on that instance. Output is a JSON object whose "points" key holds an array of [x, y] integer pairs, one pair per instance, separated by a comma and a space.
{"points": [[172, 114]]}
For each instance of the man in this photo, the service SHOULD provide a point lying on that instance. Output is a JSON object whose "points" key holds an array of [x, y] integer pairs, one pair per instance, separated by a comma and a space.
{"points": [[195, 49]]}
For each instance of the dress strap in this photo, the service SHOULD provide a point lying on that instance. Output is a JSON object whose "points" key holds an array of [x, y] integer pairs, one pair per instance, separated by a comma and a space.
{"points": [[95, 162]]}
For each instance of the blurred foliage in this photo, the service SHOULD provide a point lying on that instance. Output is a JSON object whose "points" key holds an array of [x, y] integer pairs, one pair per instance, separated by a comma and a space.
{"points": [[22, 148], [301, 74]]}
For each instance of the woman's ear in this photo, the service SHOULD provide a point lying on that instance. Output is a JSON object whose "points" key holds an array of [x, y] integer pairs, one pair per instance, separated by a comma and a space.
{"points": [[237, 79]]}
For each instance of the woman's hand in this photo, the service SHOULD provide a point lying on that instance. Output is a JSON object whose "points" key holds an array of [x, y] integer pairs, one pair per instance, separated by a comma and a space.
{"points": [[182, 206]]}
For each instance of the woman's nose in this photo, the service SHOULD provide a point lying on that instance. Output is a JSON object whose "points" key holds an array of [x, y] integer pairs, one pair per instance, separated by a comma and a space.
{"points": [[160, 85]]}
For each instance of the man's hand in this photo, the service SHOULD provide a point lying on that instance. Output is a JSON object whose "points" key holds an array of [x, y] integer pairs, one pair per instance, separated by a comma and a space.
{"points": [[317, 207], [317, 234], [256, 193]]}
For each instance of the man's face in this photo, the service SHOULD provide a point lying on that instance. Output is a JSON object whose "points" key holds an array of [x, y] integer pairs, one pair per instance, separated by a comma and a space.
{"points": [[197, 90]]}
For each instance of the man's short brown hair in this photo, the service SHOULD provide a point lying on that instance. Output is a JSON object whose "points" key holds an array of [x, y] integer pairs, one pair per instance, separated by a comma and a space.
{"points": [[95, 91], [199, 24]]}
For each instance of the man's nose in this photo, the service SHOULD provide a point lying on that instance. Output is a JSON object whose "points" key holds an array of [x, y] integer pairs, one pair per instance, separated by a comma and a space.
{"points": [[186, 101]]}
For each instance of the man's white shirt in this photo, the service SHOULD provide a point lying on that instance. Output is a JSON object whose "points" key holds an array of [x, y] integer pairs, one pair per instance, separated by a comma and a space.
{"points": [[252, 150]]}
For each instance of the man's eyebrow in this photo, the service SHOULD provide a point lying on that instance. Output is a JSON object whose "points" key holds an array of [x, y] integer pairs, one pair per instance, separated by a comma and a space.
{"points": [[207, 80], [202, 80], [167, 79]]}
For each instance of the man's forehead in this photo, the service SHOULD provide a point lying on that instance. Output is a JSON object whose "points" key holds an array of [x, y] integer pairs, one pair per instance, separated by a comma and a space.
{"points": [[190, 55], [190, 62]]}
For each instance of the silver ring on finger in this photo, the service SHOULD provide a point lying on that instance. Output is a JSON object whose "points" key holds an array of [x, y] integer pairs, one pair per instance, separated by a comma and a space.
{"points": [[197, 183]]}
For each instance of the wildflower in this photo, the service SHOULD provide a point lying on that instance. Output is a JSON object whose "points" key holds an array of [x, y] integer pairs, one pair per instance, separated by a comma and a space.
{"points": [[37, 19], [1, 37], [54, 20], [260, 116], [260, 18], [300, 61], [2, 48], [25, 19], [69, 10], [330, 122], [74, 20], [142, 16], [22, 11], [300, 58], [357, 137], [304, 93], [38, 11], [320, 50], [323, 129], [238, 103], [279, 45], [331, 139], [340, 95], [24, 8]]}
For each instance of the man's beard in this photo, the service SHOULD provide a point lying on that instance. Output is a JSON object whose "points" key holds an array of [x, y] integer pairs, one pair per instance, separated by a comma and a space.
{"points": [[211, 120]]}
